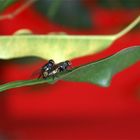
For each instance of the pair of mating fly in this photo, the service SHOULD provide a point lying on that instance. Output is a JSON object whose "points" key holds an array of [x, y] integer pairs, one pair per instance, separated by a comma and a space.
{"points": [[51, 69]]}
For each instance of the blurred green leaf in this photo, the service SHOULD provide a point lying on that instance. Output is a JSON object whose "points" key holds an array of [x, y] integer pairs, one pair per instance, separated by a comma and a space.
{"points": [[5, 3], [102, 71], [131, 4], [99, 72], [57, 47], [65, 12]]}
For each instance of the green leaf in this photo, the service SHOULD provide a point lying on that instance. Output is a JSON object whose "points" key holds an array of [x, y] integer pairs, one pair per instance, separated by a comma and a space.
{"points": [[65, 12], [5, 3], [99, 72], [102, 71], [57, 47], [129, 4]]}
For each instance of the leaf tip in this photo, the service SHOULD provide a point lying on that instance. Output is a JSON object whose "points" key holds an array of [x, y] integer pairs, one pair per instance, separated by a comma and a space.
{"points": [[104, 83]]}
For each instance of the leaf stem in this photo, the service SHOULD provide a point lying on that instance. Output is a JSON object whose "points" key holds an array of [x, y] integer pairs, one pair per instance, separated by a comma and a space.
{"points": [[18, 10], [128, 28]]}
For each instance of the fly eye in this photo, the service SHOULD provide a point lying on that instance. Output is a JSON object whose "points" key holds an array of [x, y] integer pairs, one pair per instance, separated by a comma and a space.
{"points": [[50, 64], [51, 61], [69, 63]]}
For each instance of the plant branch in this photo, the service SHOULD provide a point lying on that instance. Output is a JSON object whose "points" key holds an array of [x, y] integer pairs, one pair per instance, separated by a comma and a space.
{"points": [[128, 28], [18, 10]]}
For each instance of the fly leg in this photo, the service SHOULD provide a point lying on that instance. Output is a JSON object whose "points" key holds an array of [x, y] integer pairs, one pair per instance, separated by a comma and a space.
{"points": [[40, 75], [53, 76]]}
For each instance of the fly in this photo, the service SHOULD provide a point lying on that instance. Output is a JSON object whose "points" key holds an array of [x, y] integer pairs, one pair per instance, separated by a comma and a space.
{"points": [[51, 69]]}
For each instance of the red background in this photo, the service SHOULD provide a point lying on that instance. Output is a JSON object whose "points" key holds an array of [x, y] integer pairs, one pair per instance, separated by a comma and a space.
{"points": [[69, 110]]}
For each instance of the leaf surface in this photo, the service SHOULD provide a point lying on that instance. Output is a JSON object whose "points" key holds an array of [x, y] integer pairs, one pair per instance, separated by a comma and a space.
{"points": [[65, 12], [57, 47], [99, 72]]}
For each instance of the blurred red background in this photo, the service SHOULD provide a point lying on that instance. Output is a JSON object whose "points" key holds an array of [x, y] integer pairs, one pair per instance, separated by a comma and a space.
{"points": [[70, 110]]}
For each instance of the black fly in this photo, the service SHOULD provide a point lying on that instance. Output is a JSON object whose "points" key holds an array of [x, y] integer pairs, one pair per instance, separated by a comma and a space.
{"points": [[51, 69], [46, 69], [62, 66]]}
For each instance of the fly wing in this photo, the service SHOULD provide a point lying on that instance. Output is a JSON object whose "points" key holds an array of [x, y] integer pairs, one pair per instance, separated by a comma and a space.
{"points": [[36, 74], [54, 70]]}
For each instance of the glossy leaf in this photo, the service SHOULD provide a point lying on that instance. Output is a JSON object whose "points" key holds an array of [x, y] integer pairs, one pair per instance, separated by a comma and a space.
{"points": [[99, 72], [57, 47]]}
